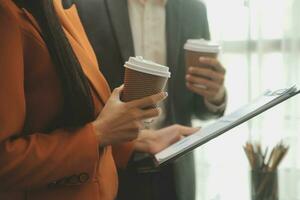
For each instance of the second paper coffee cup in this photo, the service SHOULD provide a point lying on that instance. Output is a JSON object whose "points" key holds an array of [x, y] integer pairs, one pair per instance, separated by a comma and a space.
{"points": [[196, 48], [143, 78]]}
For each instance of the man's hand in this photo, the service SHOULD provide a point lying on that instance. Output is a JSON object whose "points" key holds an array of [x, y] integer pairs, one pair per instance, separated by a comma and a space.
{"points": [[207, 81]]}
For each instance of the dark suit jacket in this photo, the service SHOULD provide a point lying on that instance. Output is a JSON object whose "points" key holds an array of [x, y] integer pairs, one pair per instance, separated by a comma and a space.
{"points": [[108, 28]]}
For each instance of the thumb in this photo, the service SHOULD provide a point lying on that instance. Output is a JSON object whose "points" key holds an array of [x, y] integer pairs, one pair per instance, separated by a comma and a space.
{"points": [[169, 139], [186, 131], [116, 94], [175, 138], [180, 134]]}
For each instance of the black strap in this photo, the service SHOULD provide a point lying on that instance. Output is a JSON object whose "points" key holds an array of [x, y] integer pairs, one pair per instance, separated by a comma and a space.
{"points": [[67, 3], [19, 3]]}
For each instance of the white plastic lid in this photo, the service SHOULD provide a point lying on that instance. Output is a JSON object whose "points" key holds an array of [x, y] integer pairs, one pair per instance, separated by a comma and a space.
{"points": [[201, 45], [146, 66]]}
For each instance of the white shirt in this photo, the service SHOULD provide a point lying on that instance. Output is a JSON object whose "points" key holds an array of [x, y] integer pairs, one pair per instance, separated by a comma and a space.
{"points": [[148, 27]]}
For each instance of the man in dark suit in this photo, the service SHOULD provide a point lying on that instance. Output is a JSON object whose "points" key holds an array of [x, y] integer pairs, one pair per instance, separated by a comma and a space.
{"points": [[110, 27]]}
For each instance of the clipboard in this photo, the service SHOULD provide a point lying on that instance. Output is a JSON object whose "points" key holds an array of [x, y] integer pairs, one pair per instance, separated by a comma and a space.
{"points": [[267, 100]]}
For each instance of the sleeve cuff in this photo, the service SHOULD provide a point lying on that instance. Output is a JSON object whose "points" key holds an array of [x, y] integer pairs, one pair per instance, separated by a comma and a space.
{"points": [[122, 153], [216, 108]]}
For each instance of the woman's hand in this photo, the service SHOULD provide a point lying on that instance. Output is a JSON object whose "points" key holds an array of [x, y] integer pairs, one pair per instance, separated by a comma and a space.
{"points": [[121, 122], [152, 142]]}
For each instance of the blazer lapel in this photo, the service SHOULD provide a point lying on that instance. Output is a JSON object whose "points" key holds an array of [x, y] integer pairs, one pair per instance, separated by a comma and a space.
{"points": [[173, 23], [80, 44], [173, 35], [32, 20], [118, 12]]}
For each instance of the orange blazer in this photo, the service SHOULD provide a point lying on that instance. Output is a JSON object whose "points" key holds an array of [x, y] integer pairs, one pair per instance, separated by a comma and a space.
{"points": [[36, 164]]}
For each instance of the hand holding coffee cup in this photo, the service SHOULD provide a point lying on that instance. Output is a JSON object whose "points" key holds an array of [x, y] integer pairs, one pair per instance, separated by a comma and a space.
{"points": [[121, 121], [205, 74], [143, 78]]}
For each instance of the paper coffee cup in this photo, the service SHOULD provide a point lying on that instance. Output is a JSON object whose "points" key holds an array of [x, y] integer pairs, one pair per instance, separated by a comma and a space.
{"points": [[143, 78], [196, 48]]}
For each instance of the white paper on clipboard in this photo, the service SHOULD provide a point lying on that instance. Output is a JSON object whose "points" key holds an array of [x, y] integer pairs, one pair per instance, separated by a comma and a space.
{"points": [[264, 102]]}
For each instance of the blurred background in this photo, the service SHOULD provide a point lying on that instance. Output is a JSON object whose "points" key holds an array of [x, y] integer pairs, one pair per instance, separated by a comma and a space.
{"points": [[261, 50]]}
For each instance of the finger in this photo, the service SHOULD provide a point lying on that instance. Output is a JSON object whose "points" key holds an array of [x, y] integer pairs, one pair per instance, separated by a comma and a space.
{"points": [[200, 91], [133, 127], [207, 73], [148, 101], [174, 138], [151, 113], [176, 134], [139, 114], [164, 141], [214, 63], [186, 131], [203, 81], [117, 92]]}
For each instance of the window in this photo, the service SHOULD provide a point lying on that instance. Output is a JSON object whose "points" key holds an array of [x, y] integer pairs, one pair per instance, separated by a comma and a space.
{"points": [[261, 50]]}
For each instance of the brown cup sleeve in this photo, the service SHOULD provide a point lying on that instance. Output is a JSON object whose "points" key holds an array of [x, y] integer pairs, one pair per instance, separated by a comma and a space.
{"points": [[138, 85]]}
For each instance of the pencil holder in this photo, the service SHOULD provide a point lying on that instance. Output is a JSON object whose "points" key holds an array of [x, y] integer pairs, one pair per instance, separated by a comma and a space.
{"points": [[264, 185]]}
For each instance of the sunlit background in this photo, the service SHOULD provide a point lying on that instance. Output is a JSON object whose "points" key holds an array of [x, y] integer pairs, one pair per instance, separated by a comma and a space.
{"points": [[261, 50]]}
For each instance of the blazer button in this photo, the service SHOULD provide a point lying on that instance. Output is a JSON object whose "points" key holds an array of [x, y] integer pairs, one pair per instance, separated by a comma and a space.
{"points": [[52, 184], [61, 182], [73, 180], [83, 177]]}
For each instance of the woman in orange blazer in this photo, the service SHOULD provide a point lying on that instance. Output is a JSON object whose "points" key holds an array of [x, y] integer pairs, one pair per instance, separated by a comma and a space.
{"points": [[62, 133]]}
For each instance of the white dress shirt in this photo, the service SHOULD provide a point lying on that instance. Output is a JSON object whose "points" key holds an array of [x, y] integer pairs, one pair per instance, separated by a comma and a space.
{"points": [[148, 27]]}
